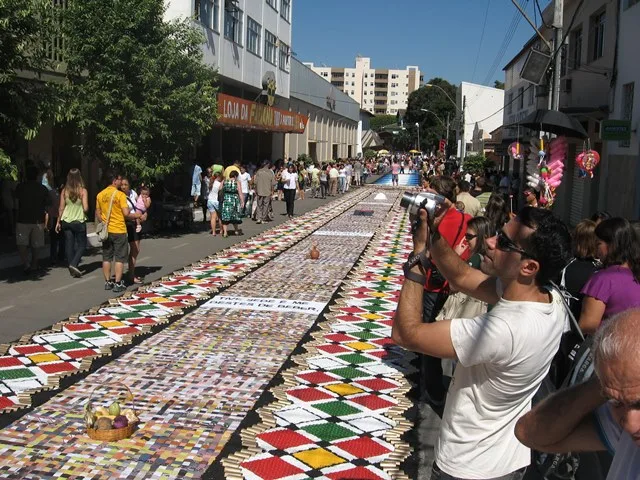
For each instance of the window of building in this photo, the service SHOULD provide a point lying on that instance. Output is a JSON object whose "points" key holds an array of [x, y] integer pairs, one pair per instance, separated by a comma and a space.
{"points": [[597, 35], [629, 3], [575, 49], [520, 98], [208, 13], [627, 107], [352, 92], [366, 75], [394, 76], [284, 57], [273, 4], [510, 103], [532, 94], [325, 74], [353, 75], [254, 32], [270, 48], [285, 9], [233, 25]]}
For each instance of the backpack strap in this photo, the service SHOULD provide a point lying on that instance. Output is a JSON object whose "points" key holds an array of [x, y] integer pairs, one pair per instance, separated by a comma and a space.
{"points": [[575, 328]]}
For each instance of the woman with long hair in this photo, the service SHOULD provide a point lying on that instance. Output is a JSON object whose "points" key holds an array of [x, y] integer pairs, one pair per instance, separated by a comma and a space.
{"points": [[72, 219], [213, 202], [232, 203], [497, 211], [617, 287], [478, 230]]}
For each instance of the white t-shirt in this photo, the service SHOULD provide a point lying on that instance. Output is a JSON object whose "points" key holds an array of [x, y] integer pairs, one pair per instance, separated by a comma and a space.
{"points": [[626, 454], [213, 193], [503, 357], [289, 180], [244, 181]]}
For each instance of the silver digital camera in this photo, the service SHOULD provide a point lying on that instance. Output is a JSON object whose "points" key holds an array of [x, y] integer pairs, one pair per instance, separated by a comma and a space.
{"points": [[414, 201]]}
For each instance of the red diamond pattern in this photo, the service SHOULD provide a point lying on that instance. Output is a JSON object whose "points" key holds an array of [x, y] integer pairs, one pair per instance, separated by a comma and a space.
{"points": [[309, 394], [317, 377], [363, 447], [377, 384], [29, 349], [331, 348], [284, 439], [372, 402]]}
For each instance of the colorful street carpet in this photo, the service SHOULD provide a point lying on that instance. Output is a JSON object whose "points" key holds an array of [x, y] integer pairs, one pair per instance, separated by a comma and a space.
{"points": [[39, 361], [338, 414], [194, 382]]}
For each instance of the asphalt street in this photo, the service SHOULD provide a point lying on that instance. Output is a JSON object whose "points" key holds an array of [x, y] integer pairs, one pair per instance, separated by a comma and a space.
{"points": [[28, 304]]}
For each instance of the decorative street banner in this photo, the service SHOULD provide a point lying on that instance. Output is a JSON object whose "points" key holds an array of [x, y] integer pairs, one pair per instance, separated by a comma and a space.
{"points": [[238, 112], [265, 304]]}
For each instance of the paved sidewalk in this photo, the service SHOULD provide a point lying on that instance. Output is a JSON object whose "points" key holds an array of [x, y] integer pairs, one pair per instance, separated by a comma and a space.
{"points": [[28, 304]]}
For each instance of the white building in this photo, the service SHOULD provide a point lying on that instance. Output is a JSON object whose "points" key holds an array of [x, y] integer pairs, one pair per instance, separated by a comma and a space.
{"points": [[379, 91], [249, 43], [482, 115]]}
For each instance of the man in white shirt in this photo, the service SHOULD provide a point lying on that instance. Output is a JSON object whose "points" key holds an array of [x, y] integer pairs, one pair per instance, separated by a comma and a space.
{"points": [[502, 355], [245, 178], [602, 413], [348, 173]]}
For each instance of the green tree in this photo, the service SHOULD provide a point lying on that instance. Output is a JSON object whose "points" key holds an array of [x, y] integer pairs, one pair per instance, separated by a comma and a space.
{"points": [[380, 121], [498, 84], [475, 164], [370, 153], [137, 87], [25, 101], [433, 123]]}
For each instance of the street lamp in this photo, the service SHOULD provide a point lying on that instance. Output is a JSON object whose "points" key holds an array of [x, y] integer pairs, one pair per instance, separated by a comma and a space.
{"points": [[463, 145], [418, 127], [443, 124]]}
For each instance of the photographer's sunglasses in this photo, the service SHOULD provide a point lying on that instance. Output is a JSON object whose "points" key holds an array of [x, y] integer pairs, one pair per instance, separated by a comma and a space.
{"points": [[505, 244]]}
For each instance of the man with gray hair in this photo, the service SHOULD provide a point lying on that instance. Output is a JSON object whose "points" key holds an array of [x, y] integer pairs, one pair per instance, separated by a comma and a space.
{"points": [[602, 413]]}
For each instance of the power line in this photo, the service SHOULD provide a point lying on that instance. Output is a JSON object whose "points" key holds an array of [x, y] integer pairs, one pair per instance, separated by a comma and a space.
{"points": [[484, 26], [503, 107]]}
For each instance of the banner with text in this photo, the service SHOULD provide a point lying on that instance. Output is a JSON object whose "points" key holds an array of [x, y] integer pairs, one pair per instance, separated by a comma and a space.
{"points": [[238, 112], [265, 304]]}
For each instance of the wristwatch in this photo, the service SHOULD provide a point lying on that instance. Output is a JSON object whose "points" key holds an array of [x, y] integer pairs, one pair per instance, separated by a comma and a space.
{"points": [[422, 261]]}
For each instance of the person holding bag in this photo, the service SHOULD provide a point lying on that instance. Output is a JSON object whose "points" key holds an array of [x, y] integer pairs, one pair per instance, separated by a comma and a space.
{"points": [[72, 219], [112, 211]]}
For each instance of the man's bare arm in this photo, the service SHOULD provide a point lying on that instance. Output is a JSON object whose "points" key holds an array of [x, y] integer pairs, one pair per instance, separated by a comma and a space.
{"points": [[564, 422]]}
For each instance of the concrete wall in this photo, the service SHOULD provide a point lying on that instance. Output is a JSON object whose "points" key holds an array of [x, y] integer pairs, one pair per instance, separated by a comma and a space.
{"points": [[482, 108], [233, 61]]}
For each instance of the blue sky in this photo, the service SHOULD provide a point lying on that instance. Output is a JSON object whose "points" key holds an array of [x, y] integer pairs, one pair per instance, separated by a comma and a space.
{"points": [[440, 36]]}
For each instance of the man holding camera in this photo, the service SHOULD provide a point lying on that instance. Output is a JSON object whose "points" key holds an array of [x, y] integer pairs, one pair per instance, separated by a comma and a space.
{"points": [[453, 228], [502, 355]]}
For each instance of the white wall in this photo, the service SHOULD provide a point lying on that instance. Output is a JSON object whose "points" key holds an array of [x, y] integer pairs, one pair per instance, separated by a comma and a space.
{"points": [[233, 61], [483, 107]]}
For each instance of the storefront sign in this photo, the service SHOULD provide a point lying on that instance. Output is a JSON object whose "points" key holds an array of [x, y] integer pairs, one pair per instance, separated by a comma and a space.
{"points": [[265, 304], [615, 130], [238, 112]]}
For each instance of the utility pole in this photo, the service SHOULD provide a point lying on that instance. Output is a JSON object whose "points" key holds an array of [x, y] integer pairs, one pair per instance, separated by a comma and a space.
{"points": [[558, 19], [463, 147], [418, 127], [446, 146]]}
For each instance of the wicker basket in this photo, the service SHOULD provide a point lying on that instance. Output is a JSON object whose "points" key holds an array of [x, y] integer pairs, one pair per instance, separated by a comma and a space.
{"points": [[114, 434]]}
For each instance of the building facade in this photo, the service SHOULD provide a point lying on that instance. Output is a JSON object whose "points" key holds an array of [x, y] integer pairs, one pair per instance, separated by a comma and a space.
{"points": [[480, 105], [379, 91], [249, 43], [333, 117]]}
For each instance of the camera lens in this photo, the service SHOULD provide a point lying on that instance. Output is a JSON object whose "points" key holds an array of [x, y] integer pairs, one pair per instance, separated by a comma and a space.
{"points": [[407, 199]]}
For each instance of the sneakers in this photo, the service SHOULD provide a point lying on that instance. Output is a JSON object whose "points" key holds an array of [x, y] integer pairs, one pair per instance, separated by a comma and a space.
{"points": [[108, 285], [74, 271], [119, 287]]}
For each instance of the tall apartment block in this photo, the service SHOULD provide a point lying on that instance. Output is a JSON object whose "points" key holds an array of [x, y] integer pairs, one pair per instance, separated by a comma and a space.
{"points": [[377, 90]]}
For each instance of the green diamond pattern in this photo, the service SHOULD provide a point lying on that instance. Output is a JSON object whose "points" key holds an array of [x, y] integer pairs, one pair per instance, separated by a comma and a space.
{"points": [[369, 325], [67, 346], [364, 335], [349, 372], [93, 334], [16, 374], [328, 432], [337, 408], [125, 316], [355, 358], [142, 308]]}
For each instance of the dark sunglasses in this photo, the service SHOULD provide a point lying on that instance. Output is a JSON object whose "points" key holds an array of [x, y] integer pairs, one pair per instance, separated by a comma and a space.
{"points": [[470, 236], [505, 244]]}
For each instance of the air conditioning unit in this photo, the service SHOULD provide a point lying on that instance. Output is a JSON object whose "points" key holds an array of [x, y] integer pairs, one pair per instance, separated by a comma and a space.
{"points": [[565, 85]]}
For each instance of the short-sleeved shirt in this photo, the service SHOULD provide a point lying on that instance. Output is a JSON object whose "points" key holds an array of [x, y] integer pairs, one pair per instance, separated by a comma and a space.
{"points": [[503, 357], [626, 454], [117, 222], [244, 181], [615, 287], [33, 201], [395, 169]]}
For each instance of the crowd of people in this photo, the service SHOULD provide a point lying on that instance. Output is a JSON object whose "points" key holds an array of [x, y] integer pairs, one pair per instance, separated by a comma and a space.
{"points": [[248, 191], [488, 303]]}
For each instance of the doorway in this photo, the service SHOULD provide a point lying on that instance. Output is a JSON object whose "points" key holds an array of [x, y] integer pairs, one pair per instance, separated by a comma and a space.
{"points": [[313, 151], [334, 151]]}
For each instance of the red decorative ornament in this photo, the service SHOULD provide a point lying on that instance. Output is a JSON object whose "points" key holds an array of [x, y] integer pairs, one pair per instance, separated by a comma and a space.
{"points": [[587, 162]]}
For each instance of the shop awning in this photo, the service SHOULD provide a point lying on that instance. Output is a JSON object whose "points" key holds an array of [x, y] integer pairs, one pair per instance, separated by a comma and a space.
{"points": [[241, 113]]}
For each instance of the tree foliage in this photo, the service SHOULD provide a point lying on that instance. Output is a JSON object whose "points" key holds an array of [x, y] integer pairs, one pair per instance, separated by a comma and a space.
{"points": [[498, 84], [476, 164], [433, 125], [380, 121], [137, 88], [25, 103], [370, 153]]}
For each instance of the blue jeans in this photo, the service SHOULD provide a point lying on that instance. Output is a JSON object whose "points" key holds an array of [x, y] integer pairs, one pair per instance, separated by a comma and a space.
{"points": [[437, 474], [75, 240]]}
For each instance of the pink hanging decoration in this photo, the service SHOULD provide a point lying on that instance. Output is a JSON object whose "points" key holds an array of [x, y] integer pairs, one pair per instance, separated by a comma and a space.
{"points": [[587, 162]]}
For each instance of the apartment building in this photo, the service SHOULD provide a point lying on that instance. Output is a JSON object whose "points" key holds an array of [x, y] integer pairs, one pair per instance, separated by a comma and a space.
{"points": [[378, 91]]}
